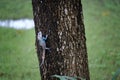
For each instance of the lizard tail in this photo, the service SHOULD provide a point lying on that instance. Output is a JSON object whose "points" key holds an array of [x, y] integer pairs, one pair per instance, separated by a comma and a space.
{"points": [[43, 58]]}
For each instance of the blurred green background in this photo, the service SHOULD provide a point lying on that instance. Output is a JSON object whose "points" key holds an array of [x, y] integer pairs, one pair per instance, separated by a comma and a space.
{"points": [[18, 59]]}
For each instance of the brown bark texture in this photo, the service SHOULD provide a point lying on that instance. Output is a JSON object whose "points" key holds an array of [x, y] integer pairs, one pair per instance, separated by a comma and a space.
{"points": [[62, 20]]}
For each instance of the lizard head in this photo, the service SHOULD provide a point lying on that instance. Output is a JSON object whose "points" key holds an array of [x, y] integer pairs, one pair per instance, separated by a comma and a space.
{"points": [[39, 35]]}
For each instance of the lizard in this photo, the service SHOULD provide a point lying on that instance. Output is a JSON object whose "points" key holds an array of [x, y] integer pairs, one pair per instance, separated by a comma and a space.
{"points": [[42, 43]]}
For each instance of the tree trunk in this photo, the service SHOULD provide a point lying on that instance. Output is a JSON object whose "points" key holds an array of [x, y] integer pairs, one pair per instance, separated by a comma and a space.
{"points": [[62, 20]]}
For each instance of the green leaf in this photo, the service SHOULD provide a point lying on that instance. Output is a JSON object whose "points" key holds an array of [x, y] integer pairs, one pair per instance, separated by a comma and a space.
{"points": [[67, 77], [116, 74], [60, 77]]}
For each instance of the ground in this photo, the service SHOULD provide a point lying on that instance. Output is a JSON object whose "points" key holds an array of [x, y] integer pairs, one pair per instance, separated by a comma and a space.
{"points": [[18, 59]]}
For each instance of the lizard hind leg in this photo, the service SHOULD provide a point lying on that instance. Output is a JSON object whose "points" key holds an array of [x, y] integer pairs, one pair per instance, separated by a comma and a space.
{"points": [[48, 49]]}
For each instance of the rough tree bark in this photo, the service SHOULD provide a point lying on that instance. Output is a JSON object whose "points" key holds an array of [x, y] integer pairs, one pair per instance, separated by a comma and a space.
{"points": [[62, 20]]}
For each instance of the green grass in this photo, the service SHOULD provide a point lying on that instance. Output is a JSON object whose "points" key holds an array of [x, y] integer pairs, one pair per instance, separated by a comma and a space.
{"points": [[103, 37], [15, 9], [18, 59]]}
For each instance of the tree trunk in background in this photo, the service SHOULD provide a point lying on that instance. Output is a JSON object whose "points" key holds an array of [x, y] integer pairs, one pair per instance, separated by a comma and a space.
{"points": [[62, 20]]}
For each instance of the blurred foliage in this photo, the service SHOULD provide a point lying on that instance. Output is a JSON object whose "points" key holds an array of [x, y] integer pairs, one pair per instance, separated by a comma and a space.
{"points": [[103, 38], [18, 59], [15, 9]]}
